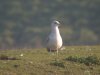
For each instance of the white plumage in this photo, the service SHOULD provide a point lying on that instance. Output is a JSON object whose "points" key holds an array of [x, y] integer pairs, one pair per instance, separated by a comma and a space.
{"points": [[54, 41]]}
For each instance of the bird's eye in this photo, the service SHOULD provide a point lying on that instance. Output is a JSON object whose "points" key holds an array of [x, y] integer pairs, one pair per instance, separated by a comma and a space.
{"points": [[55, 22]]}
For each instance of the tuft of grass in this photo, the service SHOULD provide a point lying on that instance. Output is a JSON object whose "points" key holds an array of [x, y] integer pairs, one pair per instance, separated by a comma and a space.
{"points": [[92, 60], [16, 65], [89, 60], [58, 64]]}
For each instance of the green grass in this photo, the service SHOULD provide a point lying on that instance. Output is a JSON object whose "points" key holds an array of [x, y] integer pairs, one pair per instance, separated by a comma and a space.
{"points": [[40, 62], [89, 60]]}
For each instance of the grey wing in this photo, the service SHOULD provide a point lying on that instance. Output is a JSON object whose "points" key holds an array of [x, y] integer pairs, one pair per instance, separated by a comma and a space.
{"points": [[47, 40], [48, 49]]}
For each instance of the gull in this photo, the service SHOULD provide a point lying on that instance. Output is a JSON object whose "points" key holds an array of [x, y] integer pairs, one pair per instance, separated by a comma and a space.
{"points": [[54, 40]]}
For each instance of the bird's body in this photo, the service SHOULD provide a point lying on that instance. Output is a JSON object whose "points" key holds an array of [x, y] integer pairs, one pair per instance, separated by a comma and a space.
{"points": [[54, 41]]}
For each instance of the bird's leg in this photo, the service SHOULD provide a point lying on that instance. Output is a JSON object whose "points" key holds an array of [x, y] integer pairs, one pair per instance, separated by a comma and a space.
{"points": [[50, 50], [57, 58], [57, 52], [57, 55]]}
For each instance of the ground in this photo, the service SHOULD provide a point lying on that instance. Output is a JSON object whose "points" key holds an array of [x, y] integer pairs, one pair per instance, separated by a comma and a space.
{"points": [[41, 62]]}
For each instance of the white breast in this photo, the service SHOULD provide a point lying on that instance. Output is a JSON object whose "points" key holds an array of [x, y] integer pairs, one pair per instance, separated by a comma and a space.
{"points": [[54, 39]]}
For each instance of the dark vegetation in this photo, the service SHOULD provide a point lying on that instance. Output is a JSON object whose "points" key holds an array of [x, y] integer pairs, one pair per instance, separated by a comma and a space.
{"points": [[58, 64], [89, 60], [5, 57]]}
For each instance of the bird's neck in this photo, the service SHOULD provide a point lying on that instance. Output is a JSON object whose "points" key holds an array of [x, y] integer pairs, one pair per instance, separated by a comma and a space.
{"points": [[55, 30]]}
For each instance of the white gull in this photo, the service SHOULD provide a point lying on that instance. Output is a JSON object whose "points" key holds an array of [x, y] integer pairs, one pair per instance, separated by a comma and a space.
{"points": [[54, 40]]}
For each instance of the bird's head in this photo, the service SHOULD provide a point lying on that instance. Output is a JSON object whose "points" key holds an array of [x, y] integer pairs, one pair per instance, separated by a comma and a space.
{"points": [[56, 23]]}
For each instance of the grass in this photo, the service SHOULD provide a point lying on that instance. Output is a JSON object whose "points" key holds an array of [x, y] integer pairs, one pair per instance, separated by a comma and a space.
{"points": [[40, 62], [89, 60]]}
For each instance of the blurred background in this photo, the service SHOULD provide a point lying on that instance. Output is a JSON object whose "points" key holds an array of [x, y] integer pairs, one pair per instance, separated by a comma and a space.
{"points": [[26, 23]]}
